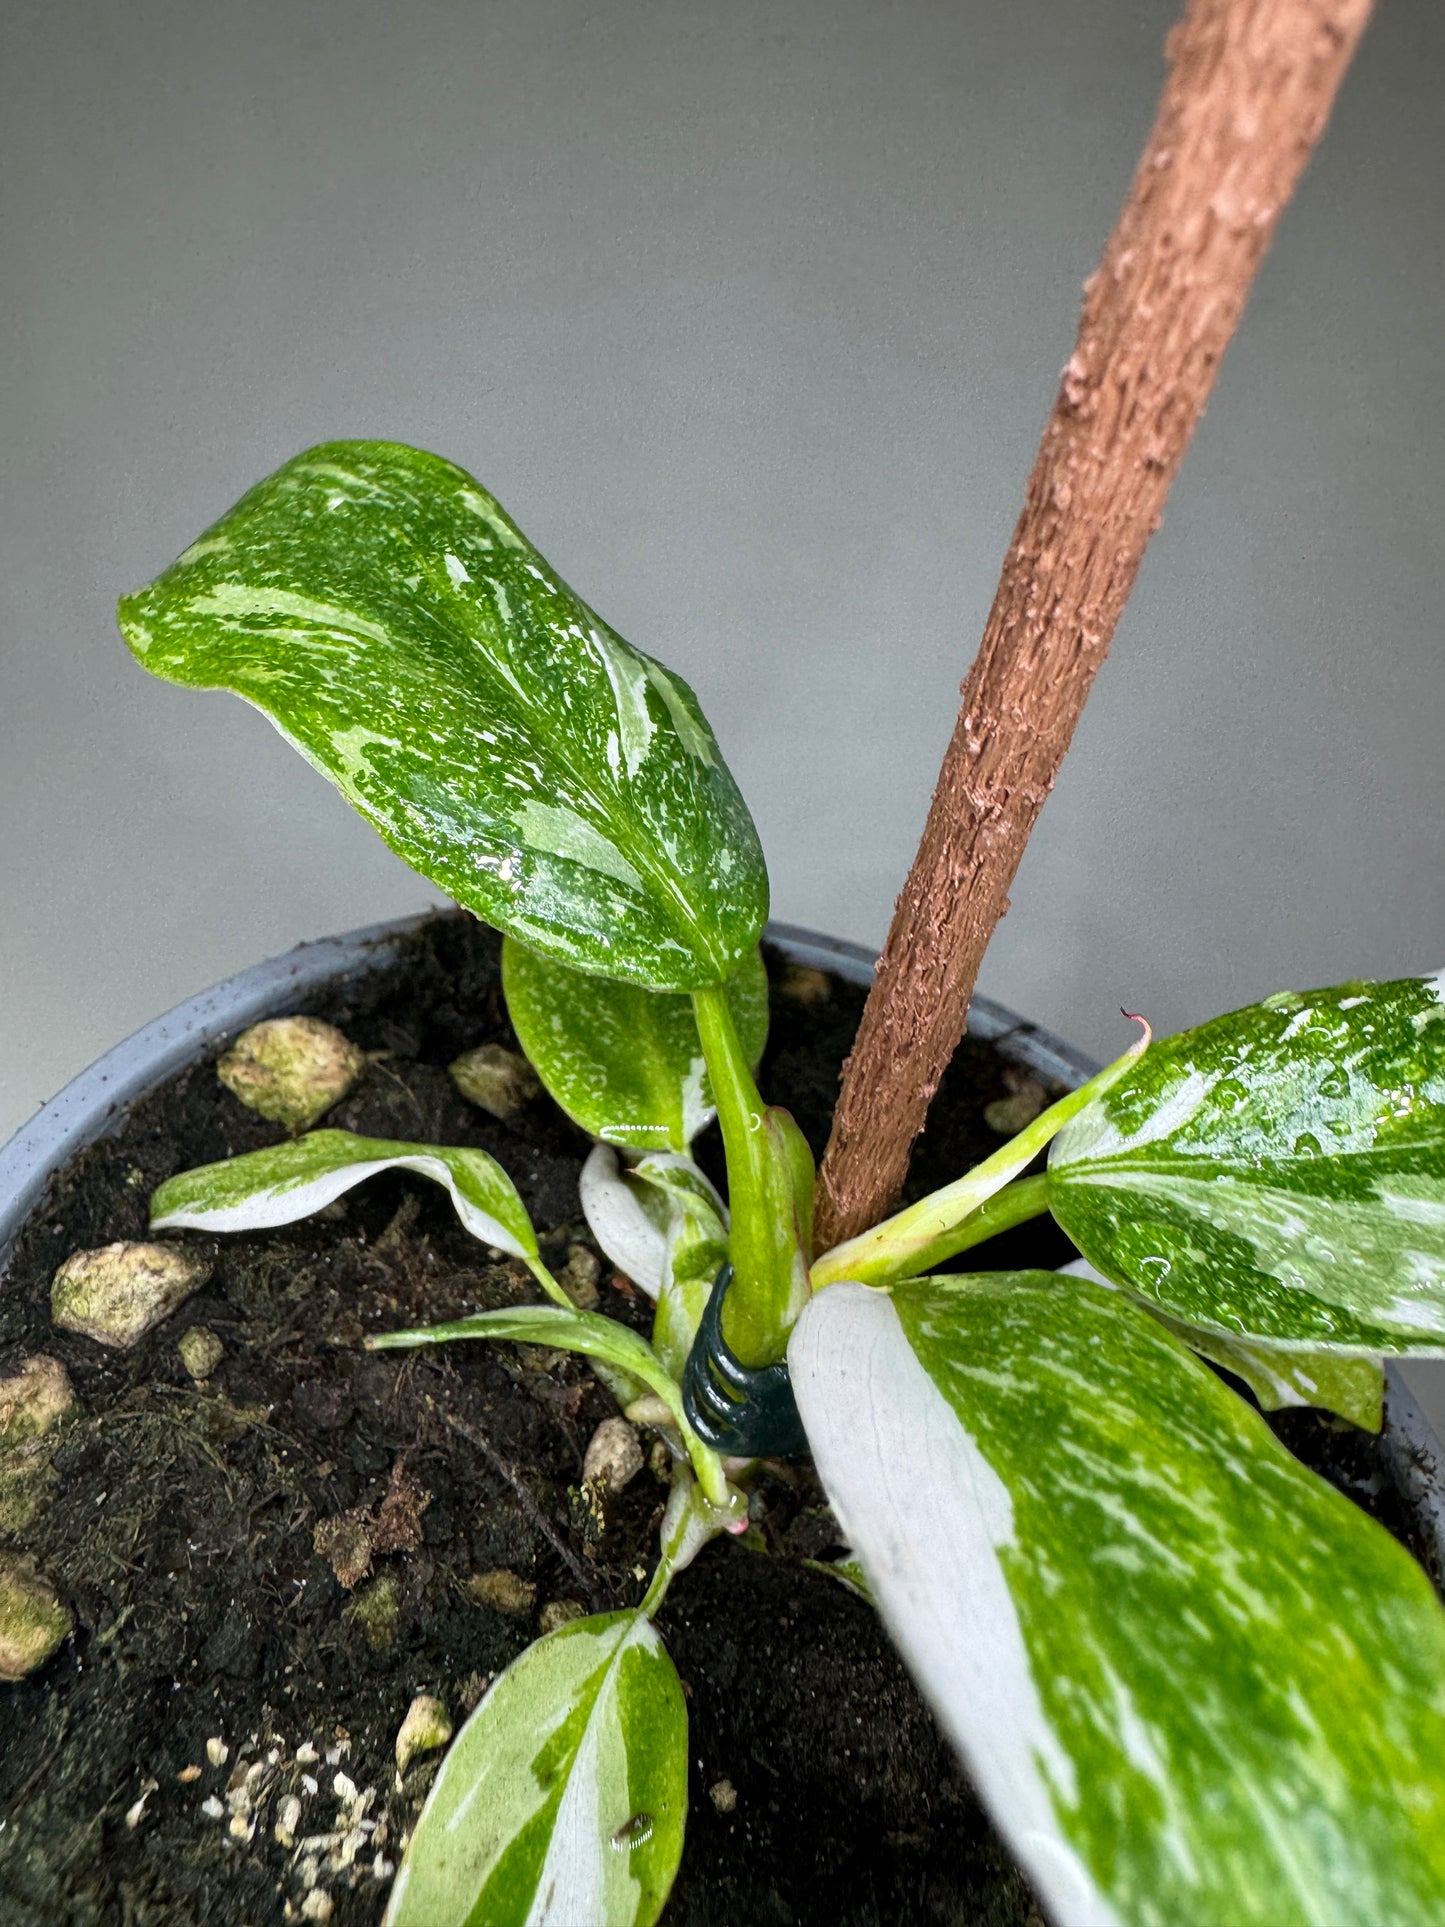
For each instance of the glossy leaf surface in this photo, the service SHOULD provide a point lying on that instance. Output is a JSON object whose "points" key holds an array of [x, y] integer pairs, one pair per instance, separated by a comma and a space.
{"points": [[564, 1797], [1192, 1683], [1282, 1375], [387, 615], [624, 1063], [1277, 1174], [292, 1181]]}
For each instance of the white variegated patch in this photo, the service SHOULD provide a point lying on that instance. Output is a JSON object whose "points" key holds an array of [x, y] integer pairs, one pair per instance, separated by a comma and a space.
{"points": [[1191, 1682], [563, 1799], [663, 1224], [292, 1181], [1277, 1176], [629, 1221], [928, 1517]]}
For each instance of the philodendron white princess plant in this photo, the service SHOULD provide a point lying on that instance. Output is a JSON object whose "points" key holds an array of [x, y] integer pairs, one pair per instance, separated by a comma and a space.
{"points": [[1193, 1684]]}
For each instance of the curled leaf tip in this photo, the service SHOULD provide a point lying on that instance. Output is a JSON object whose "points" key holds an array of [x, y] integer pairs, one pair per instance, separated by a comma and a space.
{"points": [[1141, 1044]]}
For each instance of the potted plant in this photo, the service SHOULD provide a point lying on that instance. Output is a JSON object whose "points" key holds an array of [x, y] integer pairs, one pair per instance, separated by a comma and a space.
{"points": [[1189, 1681]]}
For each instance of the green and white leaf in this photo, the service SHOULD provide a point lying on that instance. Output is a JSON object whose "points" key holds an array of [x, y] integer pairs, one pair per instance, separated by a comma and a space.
{"points": [[926, 1233], [1282, 1375], [1277, 1174], [564, 1797], [381, 608], [663, 1224], [624, 1063], [631, 1210], [594, 1336], [689, 1522], [295, 1180], [1191, 1682]]}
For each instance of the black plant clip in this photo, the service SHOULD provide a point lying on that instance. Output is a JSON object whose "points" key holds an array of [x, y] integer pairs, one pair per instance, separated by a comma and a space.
{"points": [[744, 1411]]}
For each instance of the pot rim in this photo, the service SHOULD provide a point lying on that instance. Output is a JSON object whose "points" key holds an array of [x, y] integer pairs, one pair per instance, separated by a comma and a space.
{"points": [[92, 1105]]}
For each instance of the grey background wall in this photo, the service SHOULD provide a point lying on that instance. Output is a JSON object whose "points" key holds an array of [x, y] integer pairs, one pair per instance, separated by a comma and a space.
{"points": [[751, 315]]}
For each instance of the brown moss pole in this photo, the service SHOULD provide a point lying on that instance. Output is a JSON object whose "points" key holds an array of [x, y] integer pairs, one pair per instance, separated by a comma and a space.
{"points": [[1249, 89]]}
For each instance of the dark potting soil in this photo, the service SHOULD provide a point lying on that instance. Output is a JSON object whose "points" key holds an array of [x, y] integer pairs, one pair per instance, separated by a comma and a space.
{"points": [[266, 1566]]}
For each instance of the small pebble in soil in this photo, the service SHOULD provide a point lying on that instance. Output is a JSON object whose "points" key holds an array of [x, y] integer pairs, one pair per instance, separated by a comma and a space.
{"points": [[496, 1080], [217, 1751], [558, 1613], [578, 1277], [288, 1819], [613, 1454], [201, 1352], [291, 1069], [346, 1544], [377, 1611], [427, 1725], [33, 1399], [503, 1591], [1014, 1113], [33, 1618], [805, 986], [135, 1813], [117, 1294]]}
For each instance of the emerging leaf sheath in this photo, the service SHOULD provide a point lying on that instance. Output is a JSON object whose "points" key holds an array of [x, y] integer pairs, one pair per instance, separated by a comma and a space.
{"points": [[770, 1193], [899, 1246]]}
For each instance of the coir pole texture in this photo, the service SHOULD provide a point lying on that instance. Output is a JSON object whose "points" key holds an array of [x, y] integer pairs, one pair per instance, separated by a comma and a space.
{"points": [[1249, 89]]}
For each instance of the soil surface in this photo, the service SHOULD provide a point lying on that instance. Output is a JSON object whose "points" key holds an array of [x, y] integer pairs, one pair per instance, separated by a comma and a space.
{"points": [[266, 1566]]}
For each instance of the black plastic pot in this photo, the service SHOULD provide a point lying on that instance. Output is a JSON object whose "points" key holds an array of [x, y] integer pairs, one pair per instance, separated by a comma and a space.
{"points": [[93, 1105]]}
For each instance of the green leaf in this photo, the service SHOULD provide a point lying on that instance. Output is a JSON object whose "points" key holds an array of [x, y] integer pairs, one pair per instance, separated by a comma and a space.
{"points": [[378, 605], [625, 1063], [1281, 1375], [564, 1797], [1192, 1683], [295, 1180], [589, 1333], [1277, 1174]]}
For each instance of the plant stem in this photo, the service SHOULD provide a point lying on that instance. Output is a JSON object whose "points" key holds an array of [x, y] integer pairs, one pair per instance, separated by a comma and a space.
{"points": [[770, 1186], [1025, 1198], [1249, 91], [548, 1283], [903, 1246]]}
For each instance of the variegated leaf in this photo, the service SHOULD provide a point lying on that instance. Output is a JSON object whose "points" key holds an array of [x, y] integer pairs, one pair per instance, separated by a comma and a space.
{"points": [[379, 606], [663, 1224], [1193, 1684], [1277, 1174], [295, 1180], [625, 1063], [563, 1800], [1281, 1375]]}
